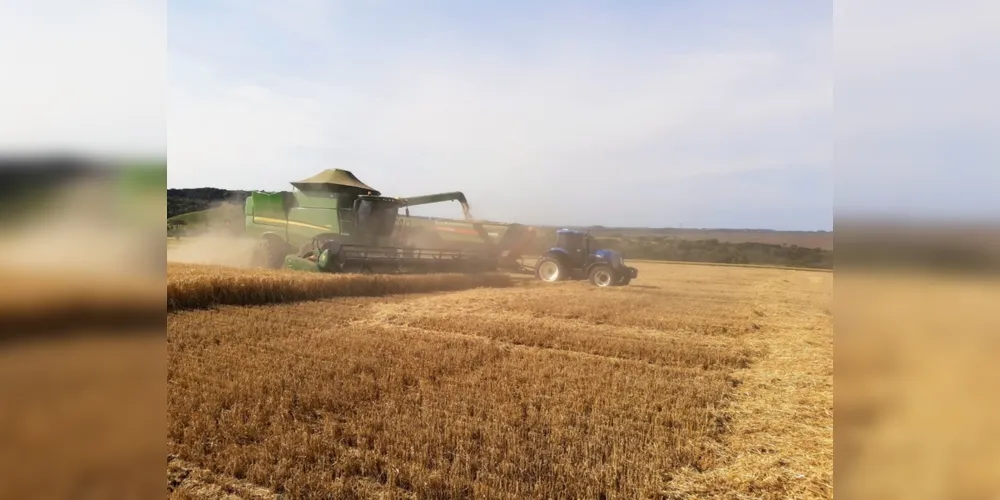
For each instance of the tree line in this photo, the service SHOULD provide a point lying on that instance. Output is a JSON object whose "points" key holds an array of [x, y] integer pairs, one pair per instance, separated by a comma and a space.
{"points": [[180, 201], [708, 250]]}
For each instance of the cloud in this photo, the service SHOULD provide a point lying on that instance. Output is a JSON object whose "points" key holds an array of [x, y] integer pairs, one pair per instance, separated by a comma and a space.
{"points": [[537, 111], [534, 120]]}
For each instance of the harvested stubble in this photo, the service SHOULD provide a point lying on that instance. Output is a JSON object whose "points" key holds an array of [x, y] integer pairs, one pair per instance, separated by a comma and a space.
{"points": [[194, 286], [541, 391]]}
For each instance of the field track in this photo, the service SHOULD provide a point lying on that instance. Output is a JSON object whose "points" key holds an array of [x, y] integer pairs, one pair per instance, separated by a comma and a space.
{"points": [[700, 381]]}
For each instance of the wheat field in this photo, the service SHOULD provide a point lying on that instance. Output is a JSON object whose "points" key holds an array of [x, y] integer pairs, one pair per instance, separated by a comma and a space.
{"points": [[693, 382], [194, 286]]}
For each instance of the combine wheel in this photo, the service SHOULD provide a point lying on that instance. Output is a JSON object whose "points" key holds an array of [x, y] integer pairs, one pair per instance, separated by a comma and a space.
{"points": [[602, 276], [271, 251], [550, 270]]}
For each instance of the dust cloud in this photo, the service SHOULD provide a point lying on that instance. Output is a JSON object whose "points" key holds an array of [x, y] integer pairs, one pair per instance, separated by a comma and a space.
{"points": [[219, 240], [217, 248]]}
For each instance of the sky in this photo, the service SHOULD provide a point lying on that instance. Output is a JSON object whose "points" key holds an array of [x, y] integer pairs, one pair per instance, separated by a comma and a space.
{"points": [[669, 113], [700, 114]]}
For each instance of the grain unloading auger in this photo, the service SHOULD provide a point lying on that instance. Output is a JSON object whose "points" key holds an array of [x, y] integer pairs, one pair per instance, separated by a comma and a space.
{"points": [[333, 222]]}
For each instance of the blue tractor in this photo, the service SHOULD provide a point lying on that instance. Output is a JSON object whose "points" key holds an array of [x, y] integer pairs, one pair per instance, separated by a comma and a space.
{"points": [[575, 256]]}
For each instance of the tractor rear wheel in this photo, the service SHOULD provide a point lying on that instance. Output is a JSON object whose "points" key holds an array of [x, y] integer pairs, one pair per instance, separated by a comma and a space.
{"points": [[550, 270], [602, 276]]}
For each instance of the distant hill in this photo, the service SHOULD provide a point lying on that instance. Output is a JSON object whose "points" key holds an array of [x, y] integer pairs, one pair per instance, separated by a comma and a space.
{"points": [[807, 239]]}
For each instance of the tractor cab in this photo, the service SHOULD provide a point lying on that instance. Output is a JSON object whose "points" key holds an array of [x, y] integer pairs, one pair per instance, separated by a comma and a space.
{"points": [[575, 244]]}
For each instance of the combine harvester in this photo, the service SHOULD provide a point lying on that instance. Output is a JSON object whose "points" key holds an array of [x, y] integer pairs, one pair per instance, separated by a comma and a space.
{"points": [[333, 222]]}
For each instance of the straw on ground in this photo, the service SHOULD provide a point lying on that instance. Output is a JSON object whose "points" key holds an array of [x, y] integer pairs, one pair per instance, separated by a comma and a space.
{"points": [[704, 381]]}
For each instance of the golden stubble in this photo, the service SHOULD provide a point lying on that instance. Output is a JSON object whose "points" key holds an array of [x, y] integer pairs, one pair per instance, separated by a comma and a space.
{"points": [[193, 286], [706, 381]]}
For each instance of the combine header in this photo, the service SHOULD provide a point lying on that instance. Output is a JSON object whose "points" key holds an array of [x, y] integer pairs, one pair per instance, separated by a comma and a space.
{"points": [[333, 222]]}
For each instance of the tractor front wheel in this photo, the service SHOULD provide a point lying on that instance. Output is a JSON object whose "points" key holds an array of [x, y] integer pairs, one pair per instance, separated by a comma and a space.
{"points": [[623, 280], [602, 276], [550, 270]]}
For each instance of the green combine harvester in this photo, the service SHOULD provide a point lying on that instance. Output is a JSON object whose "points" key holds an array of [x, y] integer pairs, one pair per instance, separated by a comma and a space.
{"points": [[333, 222]]}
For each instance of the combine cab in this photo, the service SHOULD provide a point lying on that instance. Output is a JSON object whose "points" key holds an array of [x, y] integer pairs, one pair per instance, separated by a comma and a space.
{"points": [[333, 222]]}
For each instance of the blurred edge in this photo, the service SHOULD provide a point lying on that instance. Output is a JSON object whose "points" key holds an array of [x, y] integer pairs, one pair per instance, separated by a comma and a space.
{"points": [[916, 323], [82, 326], [81, 234], [896, 243]]}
